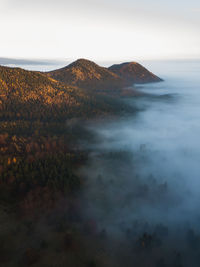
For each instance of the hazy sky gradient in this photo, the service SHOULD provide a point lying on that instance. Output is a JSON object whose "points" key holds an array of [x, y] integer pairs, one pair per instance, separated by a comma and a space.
{"points": [[101, 30]]}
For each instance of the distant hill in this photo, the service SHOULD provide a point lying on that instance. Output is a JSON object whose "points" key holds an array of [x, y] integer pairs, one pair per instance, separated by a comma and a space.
{"points": [[87, 74], [82, 89], [133, 72]]}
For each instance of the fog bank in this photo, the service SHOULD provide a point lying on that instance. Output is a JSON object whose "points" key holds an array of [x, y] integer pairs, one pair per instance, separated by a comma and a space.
{"points": [[143, 177]]}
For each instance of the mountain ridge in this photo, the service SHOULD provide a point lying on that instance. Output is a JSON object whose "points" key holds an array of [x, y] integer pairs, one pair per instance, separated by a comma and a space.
{"points": [[32, 95], [80, 74], [87, 74], [134, 72]]}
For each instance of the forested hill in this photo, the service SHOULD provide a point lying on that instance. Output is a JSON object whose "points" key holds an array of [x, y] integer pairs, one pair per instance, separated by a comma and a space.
{"points": [[33, 95], [31, 84], [87, 74], [82, 89], [17, 81], [133, 72]]}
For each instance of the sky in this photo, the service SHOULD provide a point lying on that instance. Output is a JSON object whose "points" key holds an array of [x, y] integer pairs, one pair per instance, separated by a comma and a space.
{"points": [[100, 30]]}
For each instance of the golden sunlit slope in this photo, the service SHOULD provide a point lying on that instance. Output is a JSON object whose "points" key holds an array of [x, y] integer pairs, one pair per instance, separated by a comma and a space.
{"points": [[133, 72], [29, 84], [36, 96], [87, 74]]}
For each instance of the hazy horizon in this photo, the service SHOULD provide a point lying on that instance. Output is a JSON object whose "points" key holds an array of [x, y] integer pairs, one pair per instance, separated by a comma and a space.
{"points": [[45, 64], [100, 30]]}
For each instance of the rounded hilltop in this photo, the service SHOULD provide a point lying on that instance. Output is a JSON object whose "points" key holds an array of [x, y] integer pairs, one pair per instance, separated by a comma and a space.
{"points": [[87, 74], [134, 72]]}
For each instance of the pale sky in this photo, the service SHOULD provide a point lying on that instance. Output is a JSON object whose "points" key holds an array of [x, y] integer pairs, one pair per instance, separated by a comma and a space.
{"points": [[100, 30]]}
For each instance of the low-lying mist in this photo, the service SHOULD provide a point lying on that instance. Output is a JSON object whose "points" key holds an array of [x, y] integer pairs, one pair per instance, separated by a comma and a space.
{"points": [[143, 177]]}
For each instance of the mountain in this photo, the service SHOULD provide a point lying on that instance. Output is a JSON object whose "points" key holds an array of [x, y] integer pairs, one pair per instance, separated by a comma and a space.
{"points": [[133, 72], [35, 96], [87, 74]]}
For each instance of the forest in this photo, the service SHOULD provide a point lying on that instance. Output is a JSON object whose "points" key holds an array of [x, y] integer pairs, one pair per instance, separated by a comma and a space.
{"points": [[41, 123], [38, 143]]}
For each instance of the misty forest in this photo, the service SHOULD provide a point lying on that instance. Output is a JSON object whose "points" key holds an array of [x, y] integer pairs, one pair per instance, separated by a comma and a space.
{"points": [[100, 166]]}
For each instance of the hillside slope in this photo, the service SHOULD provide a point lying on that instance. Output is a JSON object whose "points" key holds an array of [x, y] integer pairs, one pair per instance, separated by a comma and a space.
{"points": [[32, 95], [87, 74], [27, 84], [133, 72]]}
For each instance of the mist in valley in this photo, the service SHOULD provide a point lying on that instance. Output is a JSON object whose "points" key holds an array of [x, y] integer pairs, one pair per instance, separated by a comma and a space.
{"points": [[142, 177]]}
